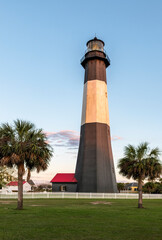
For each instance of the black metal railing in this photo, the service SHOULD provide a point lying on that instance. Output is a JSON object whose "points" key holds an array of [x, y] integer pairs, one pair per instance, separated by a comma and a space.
{"points": [[88, 50]]}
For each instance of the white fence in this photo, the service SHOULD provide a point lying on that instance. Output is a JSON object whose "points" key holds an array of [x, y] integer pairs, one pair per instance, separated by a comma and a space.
{"points": [[77, 195]]}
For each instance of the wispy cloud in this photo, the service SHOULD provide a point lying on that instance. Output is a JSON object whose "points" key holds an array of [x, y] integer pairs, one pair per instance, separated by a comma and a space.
{"points": [[64, 138], [116, 138]]}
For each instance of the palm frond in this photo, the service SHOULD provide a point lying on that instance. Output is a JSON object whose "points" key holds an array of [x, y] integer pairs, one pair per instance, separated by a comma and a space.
{"points": [[142, 150], [155, 152]]}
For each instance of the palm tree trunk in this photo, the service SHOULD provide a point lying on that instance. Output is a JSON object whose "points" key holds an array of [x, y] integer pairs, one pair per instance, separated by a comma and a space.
{"points": [[140, 193], [28, 175], [20, 186]]}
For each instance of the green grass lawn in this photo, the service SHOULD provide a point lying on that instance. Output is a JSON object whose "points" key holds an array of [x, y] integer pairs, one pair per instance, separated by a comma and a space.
{"points": [[69, 219]]}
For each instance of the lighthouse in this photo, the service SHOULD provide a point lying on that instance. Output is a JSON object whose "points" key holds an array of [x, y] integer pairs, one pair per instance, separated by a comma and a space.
{"points": [[95, 167]]}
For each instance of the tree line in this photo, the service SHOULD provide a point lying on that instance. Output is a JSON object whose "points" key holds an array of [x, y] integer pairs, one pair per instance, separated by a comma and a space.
{"points": [[148, 187]]}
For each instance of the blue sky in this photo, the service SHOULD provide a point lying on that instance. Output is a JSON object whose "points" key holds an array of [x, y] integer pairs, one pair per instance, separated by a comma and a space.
{"points": [[41, 43]]}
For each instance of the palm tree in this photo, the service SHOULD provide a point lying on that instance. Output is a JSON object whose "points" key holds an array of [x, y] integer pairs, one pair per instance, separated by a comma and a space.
{"points": [[140, 163], [149, 187], [23, 146], [120, 186]]}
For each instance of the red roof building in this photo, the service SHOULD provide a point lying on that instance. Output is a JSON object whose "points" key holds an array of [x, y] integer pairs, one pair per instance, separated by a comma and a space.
{"points": [[13, 186], [14, 183], [64, 182], [64, 178]]}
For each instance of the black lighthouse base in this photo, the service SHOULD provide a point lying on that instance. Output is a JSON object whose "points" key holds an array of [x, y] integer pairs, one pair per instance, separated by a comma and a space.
{"points": [[95, 168]]}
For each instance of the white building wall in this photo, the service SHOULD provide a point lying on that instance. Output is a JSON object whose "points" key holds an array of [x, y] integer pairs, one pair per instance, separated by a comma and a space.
{"points": [[26, 188]]}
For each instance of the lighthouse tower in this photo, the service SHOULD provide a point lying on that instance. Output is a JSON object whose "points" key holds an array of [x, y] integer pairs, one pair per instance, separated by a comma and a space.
{"points": [[95, 167]]}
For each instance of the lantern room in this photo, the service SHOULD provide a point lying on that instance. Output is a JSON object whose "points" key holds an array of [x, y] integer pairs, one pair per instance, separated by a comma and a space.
{"points": [[95, 44]]}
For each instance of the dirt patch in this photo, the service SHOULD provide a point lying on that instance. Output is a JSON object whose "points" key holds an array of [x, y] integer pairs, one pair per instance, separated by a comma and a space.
{"points": [[6, 202], [36, 205], [101, 202]]}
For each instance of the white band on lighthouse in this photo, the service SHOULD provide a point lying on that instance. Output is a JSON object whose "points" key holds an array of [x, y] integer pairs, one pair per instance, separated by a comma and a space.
{"points": [[95, 103]]}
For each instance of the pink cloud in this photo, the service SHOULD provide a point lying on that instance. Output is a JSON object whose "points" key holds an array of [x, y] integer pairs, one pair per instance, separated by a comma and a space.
{"points": [[49, 133], [115, 138], [64, 138]]}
